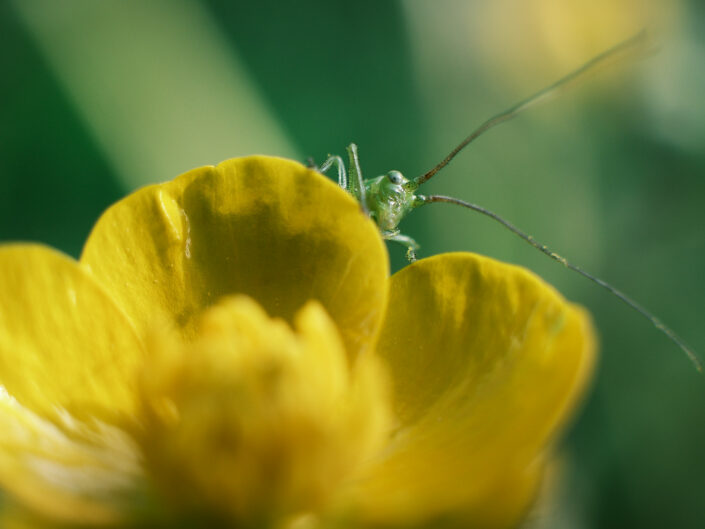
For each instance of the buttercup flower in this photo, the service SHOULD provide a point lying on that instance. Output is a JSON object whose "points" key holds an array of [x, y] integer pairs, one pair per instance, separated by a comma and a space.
{"points": [[230, 351]]}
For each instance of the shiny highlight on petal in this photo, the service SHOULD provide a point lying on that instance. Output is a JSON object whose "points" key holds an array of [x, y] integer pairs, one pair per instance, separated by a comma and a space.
{"points": [[74, 472]]}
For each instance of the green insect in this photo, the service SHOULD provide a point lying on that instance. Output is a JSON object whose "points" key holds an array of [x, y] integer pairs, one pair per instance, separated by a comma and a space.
{"points": [[388, 198]]}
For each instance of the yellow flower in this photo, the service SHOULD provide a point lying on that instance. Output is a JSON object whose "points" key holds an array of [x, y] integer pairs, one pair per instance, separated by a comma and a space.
{"points": [[536, 39], [231, 351]]}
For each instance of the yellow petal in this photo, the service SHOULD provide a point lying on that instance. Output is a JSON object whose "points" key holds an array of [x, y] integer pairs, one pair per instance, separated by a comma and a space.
{"points": [[265, 227], [67, 371], [68, 473], [254, 420], [64, 346], [487, 362]]}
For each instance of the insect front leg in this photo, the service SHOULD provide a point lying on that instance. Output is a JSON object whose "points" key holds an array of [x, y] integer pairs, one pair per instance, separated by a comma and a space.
{"points": [[342, 175], [410, 244], [357, 183]]}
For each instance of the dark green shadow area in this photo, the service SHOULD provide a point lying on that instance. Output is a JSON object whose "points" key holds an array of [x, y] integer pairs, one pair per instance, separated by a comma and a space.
{"points": [[54, 182]]}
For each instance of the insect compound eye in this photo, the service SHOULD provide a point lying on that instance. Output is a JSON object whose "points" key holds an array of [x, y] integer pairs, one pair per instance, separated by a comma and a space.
{"points": [[395, 177]]}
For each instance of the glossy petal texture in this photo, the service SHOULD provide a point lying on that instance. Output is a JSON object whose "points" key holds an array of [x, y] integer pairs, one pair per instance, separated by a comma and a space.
{"points": [[64, 345], [265, 227], [487, 360]]}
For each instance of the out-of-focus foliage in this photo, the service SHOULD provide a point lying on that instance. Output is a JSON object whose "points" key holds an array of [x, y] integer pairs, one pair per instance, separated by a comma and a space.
{"points": [[53, 181], [610, 175]]}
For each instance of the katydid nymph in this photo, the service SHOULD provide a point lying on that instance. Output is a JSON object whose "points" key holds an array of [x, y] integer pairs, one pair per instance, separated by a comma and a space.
{"points": [[388, 198]]}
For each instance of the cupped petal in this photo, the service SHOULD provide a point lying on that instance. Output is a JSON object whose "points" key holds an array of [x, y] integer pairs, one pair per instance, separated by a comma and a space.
{"points": [[265, 227], [487, 363], [65, 347]]}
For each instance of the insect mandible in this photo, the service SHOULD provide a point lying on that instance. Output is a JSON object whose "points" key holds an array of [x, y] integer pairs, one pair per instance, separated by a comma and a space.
{"points": [[388, 198]]}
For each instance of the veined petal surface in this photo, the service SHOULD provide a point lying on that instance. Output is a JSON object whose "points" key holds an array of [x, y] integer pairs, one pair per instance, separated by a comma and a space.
{"points": [[264, 227], [487, 361]]}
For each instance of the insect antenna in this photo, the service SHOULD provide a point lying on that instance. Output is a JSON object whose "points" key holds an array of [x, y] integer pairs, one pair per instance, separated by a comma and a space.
{"points": [[633, 44], [656, 322]]}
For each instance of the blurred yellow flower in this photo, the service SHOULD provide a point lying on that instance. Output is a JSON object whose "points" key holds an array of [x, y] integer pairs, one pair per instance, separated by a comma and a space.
{"points": [[544, 38], [231, 351]]}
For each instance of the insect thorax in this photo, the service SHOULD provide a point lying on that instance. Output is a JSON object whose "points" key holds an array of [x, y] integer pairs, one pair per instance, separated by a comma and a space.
{"points": [[389, 198]]}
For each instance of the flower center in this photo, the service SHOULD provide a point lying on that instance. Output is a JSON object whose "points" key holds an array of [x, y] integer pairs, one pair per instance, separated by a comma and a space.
{"points": [[253, 420]]}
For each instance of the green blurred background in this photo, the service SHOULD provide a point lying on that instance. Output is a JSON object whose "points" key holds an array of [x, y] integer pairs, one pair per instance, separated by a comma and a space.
{"points": [[98, 98]]}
